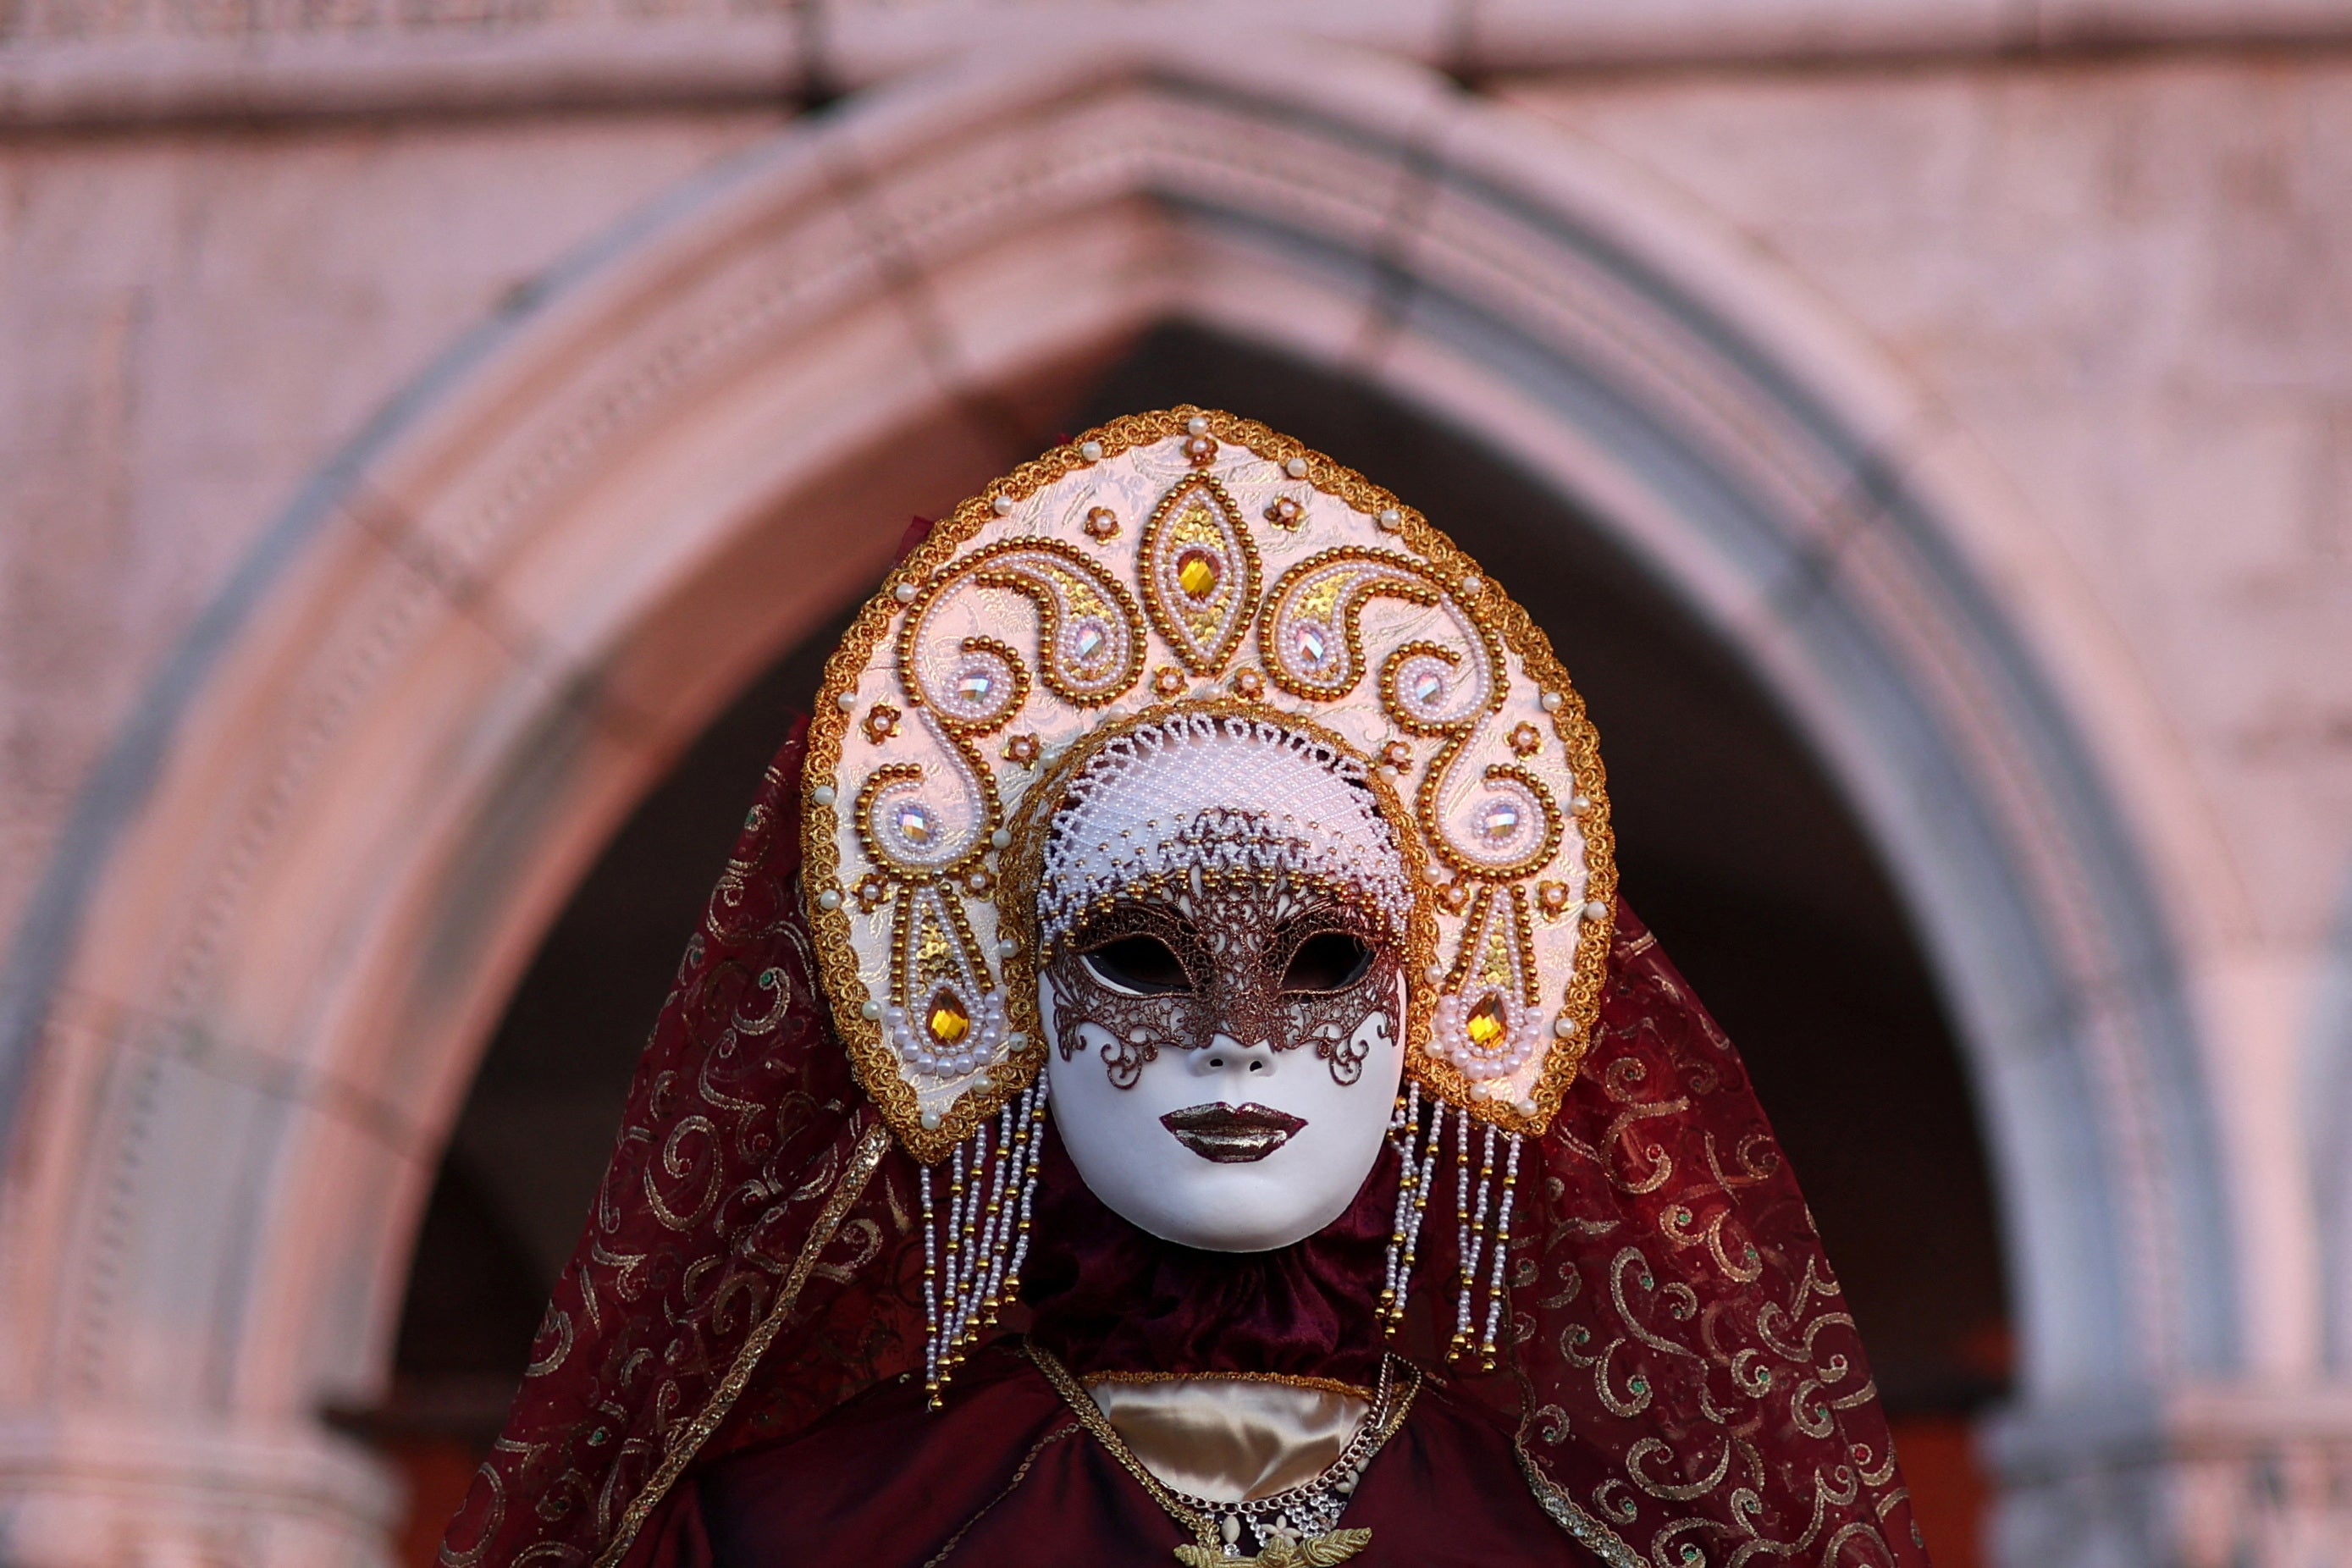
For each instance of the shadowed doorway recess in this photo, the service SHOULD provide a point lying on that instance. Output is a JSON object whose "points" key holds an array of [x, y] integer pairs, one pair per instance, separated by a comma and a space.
{"points": [[1734, 847]]}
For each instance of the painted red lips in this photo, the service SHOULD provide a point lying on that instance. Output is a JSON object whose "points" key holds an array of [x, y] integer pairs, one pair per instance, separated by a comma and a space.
{"points": [[1232, 1134]]}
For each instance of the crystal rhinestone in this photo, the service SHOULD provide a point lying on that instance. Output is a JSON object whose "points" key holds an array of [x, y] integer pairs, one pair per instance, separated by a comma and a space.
{"points": [[1089, 640], [1499, 820], [1428, 687], [1485, 1026], [949, 1022], [975, 687], [1310, 644], [916, 824], [1197, 575]]}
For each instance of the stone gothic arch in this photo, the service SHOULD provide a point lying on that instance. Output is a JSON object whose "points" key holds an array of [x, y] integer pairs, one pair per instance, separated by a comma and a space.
{"points": [[294, 900]]}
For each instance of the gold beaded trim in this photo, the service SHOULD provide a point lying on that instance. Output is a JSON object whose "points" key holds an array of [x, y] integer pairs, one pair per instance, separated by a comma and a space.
{"points": [[1287, 1380]]}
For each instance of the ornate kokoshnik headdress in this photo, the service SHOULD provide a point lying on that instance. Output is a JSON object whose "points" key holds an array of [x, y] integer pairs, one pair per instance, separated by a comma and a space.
{"points": [[1189, 569]]}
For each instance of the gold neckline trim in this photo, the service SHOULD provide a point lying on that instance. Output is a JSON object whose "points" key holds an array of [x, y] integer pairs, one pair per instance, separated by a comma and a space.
{"points": [[1288, 1380]]}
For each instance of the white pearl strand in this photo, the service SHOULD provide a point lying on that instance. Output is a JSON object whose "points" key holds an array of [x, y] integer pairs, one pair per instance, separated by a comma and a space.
{"points": [[1422, 1181], [1474, 1222], [969, 1272], [930, 1289], [1402, 1129], [1502, 1245]]}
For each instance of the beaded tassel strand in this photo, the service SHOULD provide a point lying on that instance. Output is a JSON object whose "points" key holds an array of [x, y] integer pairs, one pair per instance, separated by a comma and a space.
{"points": [[1502, 1243], [1033, 1111], [972, 1254], [951, 1263], [1474, 1225], [1421, 1179], [1462, 1242], [930, 1291], [1405, 1129]]}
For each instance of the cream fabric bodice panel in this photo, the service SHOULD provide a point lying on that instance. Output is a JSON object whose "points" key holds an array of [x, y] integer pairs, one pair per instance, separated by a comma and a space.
{"points": [[1228, 1439]]}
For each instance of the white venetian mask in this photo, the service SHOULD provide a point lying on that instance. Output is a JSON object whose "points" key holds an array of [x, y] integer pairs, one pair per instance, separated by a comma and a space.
{"points": [[1224, 910]]}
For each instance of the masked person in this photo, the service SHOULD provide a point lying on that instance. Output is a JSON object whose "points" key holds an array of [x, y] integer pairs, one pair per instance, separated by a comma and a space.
{"points": [[1187, 934]]}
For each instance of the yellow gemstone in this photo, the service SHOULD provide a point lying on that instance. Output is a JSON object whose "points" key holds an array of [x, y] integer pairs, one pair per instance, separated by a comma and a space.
{"points": [[948, 1021], [1196, 577], [1485, 1024]]}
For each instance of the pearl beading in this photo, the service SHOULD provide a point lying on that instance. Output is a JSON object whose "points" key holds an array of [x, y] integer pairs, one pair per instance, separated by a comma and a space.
{"points": [[1121, 824], [972, 1262]]}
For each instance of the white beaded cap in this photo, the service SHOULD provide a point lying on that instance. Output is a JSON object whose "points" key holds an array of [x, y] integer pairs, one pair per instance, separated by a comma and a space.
{"points": [[1216, 793]]}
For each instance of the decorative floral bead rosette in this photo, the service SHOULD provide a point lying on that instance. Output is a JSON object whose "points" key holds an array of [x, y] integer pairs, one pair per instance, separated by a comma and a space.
{"points": [[1189, 560]]}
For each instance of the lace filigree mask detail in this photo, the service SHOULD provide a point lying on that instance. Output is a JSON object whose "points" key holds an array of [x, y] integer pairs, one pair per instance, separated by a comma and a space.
{"points": [[1172, 913], [1188, 567], [1255, 958], [1204, 795]]}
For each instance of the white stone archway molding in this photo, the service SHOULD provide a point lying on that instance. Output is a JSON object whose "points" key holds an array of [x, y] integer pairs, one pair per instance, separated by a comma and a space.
{"points": [[249, 996], [2325, 1078]]}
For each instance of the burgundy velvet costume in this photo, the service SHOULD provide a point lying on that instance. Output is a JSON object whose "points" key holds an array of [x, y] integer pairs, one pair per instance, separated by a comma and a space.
{"points": [[722, 1375], [1006, 1474]]}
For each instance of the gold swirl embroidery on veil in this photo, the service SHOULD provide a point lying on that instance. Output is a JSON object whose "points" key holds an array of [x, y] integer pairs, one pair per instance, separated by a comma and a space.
{"points": [[686, 1439], [1624, 1316]]}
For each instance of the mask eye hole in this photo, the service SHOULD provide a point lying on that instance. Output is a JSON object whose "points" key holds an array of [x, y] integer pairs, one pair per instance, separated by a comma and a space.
{"points": [[1327, 961], [1139, 965]]}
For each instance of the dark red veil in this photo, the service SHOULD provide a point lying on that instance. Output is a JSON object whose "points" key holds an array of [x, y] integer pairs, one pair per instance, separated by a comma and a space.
{"points": [[1692, 1392]]}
